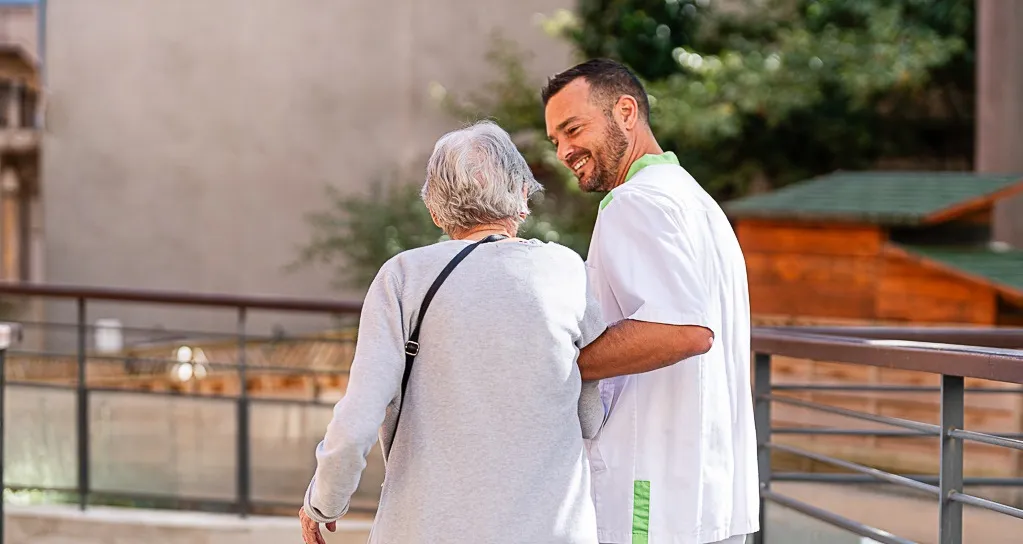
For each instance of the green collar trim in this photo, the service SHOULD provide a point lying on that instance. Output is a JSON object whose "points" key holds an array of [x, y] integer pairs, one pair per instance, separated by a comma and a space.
{"points": [[646, 160]]}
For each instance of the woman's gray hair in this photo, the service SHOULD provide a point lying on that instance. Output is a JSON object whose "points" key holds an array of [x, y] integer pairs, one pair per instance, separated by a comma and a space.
{"points": [[477, 176]]}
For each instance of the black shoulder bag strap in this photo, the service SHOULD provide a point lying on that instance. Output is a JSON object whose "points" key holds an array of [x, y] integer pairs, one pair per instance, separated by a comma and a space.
{"points": [[412, 346]]}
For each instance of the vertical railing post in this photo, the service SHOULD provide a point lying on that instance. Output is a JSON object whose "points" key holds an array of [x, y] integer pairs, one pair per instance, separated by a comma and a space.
{"points": [[951, 477], [762, 416], [6, 335], [9, 333], [243, 445], [82, 420]]}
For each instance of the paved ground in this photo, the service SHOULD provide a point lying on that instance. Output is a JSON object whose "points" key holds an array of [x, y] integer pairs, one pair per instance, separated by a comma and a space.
{"points": [[63, 524], [905, 516]]}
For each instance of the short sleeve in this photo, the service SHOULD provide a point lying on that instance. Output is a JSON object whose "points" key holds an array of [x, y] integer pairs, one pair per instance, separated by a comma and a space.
{"points": [[651, 259]]}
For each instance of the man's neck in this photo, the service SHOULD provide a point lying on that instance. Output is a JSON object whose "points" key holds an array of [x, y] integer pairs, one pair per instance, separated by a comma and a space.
{"points": [[645, 144]]}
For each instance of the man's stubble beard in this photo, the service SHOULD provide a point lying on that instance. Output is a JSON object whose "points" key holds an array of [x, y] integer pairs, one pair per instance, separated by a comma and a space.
{"points": [[608, 160]]}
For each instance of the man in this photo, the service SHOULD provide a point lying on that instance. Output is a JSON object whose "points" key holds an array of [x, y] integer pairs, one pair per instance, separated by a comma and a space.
{"points": [[676, 460]]}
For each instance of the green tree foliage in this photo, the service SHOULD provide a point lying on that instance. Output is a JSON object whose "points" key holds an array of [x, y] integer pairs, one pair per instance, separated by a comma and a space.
{"points": [[640, 33], [758, 97], [784, 90], [358, 233]]}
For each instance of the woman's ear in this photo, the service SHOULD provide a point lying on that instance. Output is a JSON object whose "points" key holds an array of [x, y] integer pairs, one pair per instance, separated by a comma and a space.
{"points": [[525, 202], [435, 222]]}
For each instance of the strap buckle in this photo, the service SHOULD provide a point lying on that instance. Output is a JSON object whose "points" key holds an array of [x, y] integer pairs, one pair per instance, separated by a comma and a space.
{"points": [[411, 348]]}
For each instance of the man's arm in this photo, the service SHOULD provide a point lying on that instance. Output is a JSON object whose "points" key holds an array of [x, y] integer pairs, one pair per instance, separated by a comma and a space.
{"points": [[633, 347]]}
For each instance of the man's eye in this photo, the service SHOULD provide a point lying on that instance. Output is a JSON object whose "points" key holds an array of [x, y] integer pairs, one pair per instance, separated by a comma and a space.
{"points": [[572, 131]]}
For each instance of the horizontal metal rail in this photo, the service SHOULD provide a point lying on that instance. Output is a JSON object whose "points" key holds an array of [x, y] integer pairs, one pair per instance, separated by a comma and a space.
{"points": [[286, 304], [886, 388], [846, 478], [968, 336], [881, 433], [834, 519], [951, 360], [100, 497], [197, 395], [161, 335], [872, 472], [53, 357], [923, 428], [989, 439], [986, 504]]}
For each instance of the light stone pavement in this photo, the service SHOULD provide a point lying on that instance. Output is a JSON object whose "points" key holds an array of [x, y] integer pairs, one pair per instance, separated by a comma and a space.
{"points": [[905, 516]]}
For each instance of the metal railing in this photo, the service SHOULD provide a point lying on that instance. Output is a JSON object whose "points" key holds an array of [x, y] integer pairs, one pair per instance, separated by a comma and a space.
{"points": [[84, 392], [954, 354]]}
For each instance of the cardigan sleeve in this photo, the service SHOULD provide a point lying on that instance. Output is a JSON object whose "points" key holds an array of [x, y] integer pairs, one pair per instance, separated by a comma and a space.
{"points": [[374, 384]]}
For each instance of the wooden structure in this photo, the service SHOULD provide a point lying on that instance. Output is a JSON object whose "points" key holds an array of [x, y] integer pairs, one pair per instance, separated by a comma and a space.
{"points": [[893, 248], [882, 247]]}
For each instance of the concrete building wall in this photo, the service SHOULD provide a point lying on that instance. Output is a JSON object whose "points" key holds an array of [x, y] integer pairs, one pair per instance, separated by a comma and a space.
{"points": [[186, 140], [1000, 104]]}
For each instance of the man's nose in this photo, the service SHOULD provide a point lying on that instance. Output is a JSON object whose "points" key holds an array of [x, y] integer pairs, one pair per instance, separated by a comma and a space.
{"points": [[564, 151]]}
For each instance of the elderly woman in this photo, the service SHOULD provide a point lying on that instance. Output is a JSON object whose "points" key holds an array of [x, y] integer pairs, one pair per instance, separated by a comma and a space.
{"points": [[489, 445]]}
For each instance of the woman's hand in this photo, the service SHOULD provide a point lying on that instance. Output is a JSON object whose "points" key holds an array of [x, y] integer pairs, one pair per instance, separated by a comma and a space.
{"points": [[311, 530]]}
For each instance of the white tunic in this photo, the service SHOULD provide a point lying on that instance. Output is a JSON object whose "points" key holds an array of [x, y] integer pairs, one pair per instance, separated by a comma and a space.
{"points": [[676, 461]]}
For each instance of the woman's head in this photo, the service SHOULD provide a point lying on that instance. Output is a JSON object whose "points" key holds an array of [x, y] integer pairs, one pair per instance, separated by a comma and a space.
{"points": [[476, 176]]}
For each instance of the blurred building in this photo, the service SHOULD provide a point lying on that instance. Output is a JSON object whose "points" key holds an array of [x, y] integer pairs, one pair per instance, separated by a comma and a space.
{"points": [[19, 142], [185, 141], [1000, 104], [893, 248]]}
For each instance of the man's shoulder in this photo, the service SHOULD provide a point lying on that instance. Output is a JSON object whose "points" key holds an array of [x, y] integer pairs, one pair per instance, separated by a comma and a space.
{"points": [[667, 187], [640, 196]]}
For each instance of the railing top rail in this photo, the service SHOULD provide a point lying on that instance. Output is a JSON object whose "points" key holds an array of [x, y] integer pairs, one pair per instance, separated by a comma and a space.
{"points": [[1001, 337], [183, 298], [968, 361]]}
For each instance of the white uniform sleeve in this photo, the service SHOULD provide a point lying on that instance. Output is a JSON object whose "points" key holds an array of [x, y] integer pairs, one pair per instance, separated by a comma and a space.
{"points": [[374, 382], [651, 260]]}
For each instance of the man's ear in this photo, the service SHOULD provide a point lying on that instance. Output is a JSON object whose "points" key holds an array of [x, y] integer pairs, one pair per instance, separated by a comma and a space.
{"points": [[627, 112], [435, 222]]}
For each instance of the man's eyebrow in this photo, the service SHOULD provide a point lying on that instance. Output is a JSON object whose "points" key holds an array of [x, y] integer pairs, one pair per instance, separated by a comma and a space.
{"points": [[562, 126], [567, 122]]}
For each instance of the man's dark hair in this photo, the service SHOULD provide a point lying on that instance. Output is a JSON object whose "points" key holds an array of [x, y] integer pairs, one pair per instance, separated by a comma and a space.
{"points": [[608, 81]]}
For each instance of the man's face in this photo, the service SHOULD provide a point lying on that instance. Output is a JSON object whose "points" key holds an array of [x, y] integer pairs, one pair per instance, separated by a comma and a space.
{"points": [[589, 143]]}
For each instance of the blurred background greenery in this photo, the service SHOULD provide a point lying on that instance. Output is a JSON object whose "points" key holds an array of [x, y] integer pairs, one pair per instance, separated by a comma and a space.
{"points": [[750, 99]]}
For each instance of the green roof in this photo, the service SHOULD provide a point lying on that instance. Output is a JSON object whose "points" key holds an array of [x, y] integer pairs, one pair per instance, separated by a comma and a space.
{"points": [[887, 198], [1004, 268]]}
